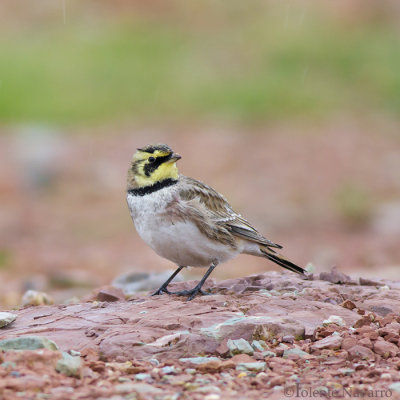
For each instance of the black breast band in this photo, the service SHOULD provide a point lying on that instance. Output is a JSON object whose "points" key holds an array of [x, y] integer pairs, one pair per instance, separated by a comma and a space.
{"points": [[152, 188]]}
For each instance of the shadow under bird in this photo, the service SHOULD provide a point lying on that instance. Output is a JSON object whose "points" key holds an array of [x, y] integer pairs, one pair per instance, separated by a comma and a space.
{"points": [[188, 222]]}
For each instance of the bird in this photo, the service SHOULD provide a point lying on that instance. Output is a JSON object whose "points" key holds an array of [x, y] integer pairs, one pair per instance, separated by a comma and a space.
{"points": [[187, 221]]}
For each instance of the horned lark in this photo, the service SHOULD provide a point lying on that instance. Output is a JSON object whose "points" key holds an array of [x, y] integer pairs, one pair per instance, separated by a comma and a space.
{"points": [[186, 221]]}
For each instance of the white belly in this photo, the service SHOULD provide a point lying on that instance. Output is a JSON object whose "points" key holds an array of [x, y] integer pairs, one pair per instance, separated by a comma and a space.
{"points": [[178, 241]]}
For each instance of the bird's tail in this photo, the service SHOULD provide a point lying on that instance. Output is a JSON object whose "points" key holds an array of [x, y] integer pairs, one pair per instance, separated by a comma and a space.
{"points": [[280, 260]]}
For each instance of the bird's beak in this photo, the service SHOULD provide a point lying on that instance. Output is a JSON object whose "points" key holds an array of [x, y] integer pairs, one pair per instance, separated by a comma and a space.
{"points": [[175, 157]]}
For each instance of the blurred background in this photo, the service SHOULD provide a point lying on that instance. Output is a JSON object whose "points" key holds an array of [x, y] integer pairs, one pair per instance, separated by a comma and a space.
{"points": [[289, 108]]}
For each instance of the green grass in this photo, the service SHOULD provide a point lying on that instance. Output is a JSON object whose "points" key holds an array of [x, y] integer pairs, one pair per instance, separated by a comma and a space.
{"points": [[253, 65]]}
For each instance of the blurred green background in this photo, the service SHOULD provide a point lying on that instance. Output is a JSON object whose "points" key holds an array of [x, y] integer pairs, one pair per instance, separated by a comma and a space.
{"points": [[290, 108], [93, 62]]}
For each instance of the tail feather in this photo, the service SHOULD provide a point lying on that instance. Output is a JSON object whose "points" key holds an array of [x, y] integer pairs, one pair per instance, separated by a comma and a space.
{"points": [[280, 260]]}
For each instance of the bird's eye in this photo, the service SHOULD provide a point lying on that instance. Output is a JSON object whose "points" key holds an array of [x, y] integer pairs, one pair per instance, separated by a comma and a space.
{"points": [[152, 159]]}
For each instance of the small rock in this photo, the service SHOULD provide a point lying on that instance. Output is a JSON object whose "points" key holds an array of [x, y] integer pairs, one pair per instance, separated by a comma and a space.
{"points": [[365, 342], [242, 358], [361, 352], [381, 310], [261, 327], [27, 343], [335, 276], [69, 365], [369, 282], [109, 294], [253, 366], [333, 342], [364, 321], [208, 389], [268, 353], [35, 298], [296, 352], [348, 304], [346, 371], [212, 396], [212, 366], [141, 388], [168, 370], [392, 328], [334, 319], [198, 360], [257, 345], [190, 371], [310, 268], [239, 346], [142, 376], [385, 349], [322, 391], [288, 339], [395, 387], [6, 318]]}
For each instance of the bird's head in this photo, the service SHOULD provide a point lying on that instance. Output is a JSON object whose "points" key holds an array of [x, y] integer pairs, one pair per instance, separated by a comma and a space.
{"points": [[151, 164]]}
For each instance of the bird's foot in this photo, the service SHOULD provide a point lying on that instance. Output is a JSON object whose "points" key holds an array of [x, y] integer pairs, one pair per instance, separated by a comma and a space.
{"points": [[192, 293], [162, 290]]}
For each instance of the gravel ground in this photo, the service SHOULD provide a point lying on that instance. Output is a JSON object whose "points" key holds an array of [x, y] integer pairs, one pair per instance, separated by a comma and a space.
{"points": [[320, 338]]}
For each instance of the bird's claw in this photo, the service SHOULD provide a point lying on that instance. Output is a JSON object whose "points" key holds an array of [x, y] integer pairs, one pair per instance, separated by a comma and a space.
{"points": [[162, 290], [191, 293]]}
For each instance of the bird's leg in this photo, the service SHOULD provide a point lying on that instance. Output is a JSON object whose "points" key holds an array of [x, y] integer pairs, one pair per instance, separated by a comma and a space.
{"points": [[192, 293], [163, 288]]}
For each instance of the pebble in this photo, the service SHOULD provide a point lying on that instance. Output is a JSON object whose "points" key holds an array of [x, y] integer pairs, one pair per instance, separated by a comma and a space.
{"points": [[190, 371], [295, 351], [8, 365], [348, 342], [365, 342], [207, 389], [310, 268], [198, 360], [169, 369], [348, 304], [346, 371], [288, 339], [361, 352], [268, 353], [109, 294], [385, 349], [251, 366], [332, 342], [69, 365], [141, 388], [142, 376], [239, 346], [27, 343], [35, 298], [395, 387], [6, 318], [257, 345], [212, 396], [334, 319]]}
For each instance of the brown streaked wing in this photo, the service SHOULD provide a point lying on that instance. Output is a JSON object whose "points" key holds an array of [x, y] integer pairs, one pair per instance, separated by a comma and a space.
{"points": [[220, 211]]}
